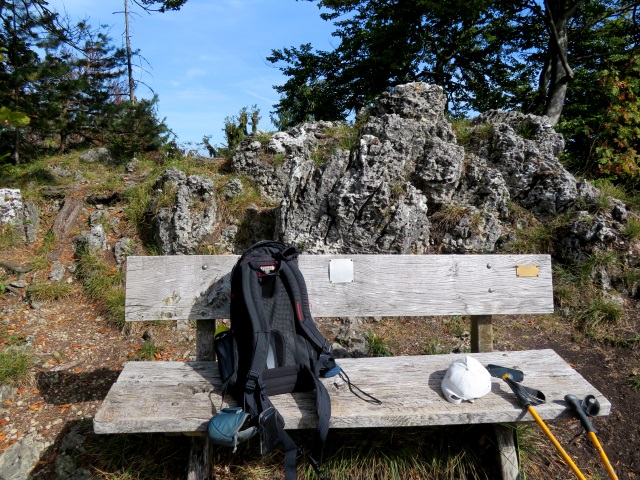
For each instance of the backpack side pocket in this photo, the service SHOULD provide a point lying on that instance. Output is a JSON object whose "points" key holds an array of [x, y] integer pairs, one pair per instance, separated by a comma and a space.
{"points": [[225, 347]]}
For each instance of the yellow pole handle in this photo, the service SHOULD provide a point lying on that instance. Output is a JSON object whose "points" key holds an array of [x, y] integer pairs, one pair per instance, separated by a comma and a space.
{"points": [[555, 442], [603, 456]]}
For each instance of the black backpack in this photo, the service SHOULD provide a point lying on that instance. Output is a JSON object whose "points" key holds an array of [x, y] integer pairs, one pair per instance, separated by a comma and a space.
{"points": [[273, 347]]}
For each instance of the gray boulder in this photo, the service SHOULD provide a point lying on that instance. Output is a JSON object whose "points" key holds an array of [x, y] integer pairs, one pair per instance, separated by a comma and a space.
{"points": [[22, 215], [21, 457], [183, 212], [100, 155], [94, 241]]}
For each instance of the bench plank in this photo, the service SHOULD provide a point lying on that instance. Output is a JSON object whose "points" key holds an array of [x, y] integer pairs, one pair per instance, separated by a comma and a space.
{"points": [[196, 287], [181, 397]]}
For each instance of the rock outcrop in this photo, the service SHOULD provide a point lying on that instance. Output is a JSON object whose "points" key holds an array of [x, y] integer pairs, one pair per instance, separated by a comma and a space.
{"points": [[183, 212], [408, 184]]}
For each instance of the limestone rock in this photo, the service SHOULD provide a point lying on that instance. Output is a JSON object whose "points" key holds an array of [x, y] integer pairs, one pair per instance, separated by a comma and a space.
{"points": [[22, 215], [183, 211]]}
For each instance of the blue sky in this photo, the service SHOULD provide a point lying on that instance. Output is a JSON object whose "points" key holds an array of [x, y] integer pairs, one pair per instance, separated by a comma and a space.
{"points": [[208, 60]]}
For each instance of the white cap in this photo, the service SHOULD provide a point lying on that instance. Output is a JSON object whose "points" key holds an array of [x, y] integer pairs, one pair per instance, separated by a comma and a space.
{"points": [[466, 379]]}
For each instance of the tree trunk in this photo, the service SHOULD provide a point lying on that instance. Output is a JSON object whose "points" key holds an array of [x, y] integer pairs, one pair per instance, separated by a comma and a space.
{"points": [[132, 85], [557, 15], [16, 151]]}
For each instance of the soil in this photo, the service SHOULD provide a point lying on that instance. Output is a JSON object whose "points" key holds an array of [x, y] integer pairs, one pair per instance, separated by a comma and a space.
{"points": [[79, 354]]}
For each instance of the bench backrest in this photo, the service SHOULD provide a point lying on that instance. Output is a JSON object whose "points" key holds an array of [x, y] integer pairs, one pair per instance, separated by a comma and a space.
{"points": [[196, 287]]}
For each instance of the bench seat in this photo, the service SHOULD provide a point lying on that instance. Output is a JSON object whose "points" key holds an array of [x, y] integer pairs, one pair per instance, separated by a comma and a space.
{"points": [[181, 396]]}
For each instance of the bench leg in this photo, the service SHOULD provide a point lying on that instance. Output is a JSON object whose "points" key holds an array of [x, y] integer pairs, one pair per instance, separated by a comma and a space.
{"points": [[506, 442], [199, 458], [481, 333], [200, 455]]}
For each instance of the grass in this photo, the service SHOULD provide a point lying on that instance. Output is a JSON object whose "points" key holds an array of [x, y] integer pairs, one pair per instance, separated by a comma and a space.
{"points": [[9, 235], [537, 237], [103, 283], [346, 136], [632, 228], [444, 453], [14, 366], [448, 217], [634, 382], [135, 457], [48, 291]]}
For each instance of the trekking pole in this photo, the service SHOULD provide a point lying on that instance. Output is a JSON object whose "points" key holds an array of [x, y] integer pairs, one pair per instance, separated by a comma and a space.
{"points": [[529, 396], [590, 406]]}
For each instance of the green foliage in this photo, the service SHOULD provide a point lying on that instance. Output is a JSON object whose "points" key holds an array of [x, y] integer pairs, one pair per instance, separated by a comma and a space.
{"points": [[102, 283], [14, 366], [634, 382], [377, 346], [148, 351], [603, 126], [235, 128], [14, 119], [134, 128]]}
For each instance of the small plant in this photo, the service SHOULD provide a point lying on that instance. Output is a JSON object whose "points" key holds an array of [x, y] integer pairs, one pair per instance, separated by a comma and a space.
{"points": [[599, 313], [279, 159], [264, 138], [462, 129], [148, 351], [634, 382], [346, 135], [377, 346], [432, 348], [448, 217], [14, 366], [526, 129], [632, 280], [319, 156]]}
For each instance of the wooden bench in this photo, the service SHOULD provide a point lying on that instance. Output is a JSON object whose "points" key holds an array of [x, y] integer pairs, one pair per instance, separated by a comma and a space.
{"points": [[178, 396]]}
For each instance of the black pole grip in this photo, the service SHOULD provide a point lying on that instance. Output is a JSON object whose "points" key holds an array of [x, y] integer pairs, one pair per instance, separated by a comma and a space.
{"points": [[574, 403], [524, 400]]}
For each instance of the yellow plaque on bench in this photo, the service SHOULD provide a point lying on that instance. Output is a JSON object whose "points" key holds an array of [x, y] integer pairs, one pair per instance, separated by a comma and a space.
{"points": [[527, 271]]}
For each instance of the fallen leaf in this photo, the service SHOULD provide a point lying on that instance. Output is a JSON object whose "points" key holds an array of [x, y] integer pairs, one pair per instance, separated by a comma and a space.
{"points": [[36, 406], [572, 365], [20, 391], [65, 406], [36, 392], [3, 437]]}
